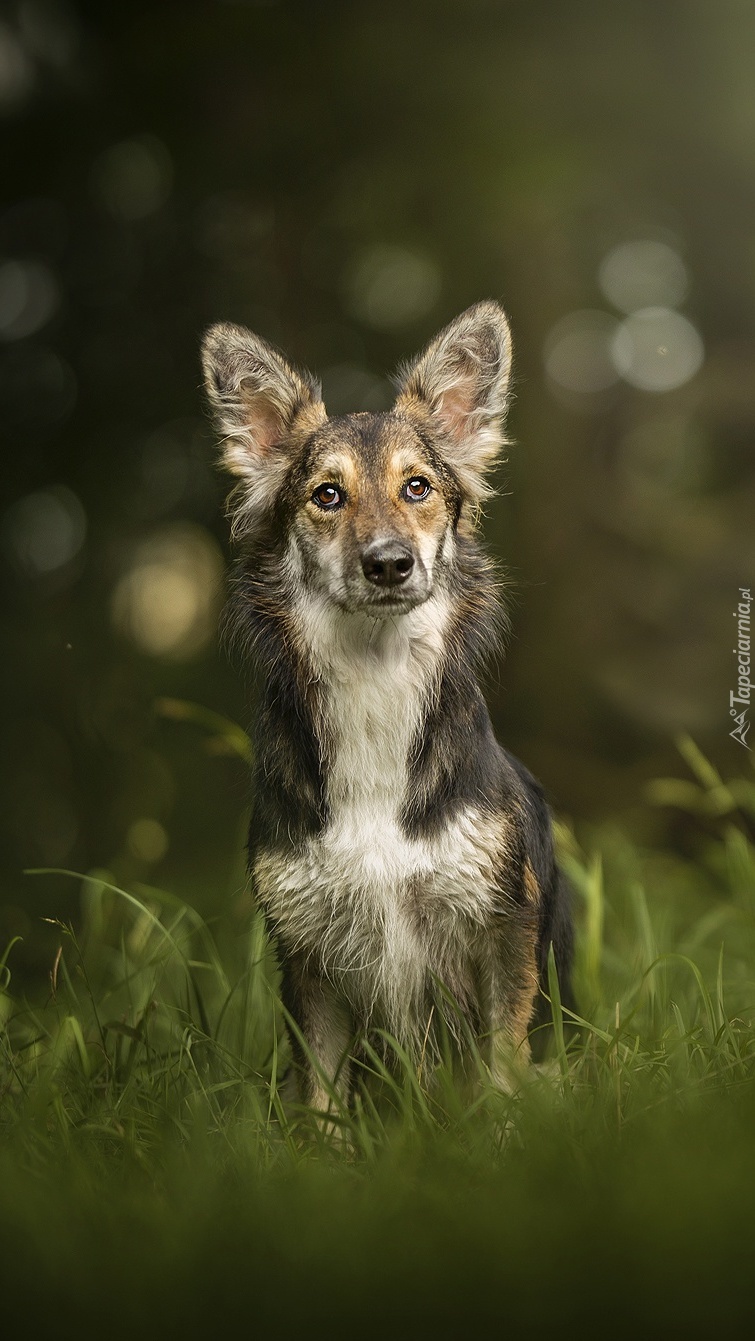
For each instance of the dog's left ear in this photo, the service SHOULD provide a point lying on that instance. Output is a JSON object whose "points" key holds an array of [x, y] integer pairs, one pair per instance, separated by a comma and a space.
{"points": [[458, 388]]}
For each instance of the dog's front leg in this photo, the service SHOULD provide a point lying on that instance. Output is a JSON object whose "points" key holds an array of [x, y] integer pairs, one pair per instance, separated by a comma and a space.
{"points": [[512, 991], [321, 1064]]}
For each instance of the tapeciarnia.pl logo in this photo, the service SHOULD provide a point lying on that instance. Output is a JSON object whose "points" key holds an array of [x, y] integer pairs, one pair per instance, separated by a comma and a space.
{"points": [[739, 699]]}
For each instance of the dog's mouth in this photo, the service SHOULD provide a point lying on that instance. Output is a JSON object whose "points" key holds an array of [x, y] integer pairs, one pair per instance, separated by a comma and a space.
{"points": [[387, 603]]}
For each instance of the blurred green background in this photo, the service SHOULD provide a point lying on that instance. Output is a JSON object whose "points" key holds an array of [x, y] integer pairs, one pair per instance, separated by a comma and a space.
{"points": [[344, 178]]}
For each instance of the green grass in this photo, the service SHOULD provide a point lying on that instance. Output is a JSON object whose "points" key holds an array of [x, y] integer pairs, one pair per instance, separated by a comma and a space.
{"points": [[151, 1180]]}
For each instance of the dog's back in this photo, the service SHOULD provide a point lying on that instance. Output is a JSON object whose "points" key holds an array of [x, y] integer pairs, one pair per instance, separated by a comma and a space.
{"points": [[404, 860]]}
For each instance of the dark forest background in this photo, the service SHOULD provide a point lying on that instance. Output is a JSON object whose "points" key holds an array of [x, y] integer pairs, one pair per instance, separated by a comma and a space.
{"points": [[344, 178]]}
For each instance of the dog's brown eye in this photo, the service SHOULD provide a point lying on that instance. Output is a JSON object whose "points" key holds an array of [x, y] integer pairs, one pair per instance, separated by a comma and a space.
{"points": [[417, 489], [328, 497]]}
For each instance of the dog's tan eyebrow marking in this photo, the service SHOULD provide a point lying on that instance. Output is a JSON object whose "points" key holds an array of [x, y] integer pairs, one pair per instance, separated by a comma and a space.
{"points": [[332, 465], [407, 461]]}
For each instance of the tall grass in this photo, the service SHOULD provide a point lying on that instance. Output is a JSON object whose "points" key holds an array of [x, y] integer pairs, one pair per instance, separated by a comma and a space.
{"points": [[145, 1138]]}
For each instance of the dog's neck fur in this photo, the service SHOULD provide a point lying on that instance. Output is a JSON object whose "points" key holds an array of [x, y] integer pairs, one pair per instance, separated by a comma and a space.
{"points": [[378, 677]]}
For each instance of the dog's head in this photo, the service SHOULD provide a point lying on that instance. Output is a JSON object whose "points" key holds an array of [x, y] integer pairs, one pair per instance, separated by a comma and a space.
{"points": [[368, 505]]}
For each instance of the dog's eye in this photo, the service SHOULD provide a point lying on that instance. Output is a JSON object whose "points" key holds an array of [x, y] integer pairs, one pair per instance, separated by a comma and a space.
{"points": [[417, 489], [327, 497]]}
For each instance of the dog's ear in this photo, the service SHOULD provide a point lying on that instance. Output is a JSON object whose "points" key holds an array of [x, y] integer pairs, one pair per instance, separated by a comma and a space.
{"points": [[458, 388], [261, 405]]}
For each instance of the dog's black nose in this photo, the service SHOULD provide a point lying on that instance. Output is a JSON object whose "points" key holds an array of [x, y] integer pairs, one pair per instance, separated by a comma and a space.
{"points": [[387, 563]]}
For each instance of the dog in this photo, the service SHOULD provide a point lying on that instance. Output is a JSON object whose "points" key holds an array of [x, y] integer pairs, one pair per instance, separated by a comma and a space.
{"points": [[404, 860]]}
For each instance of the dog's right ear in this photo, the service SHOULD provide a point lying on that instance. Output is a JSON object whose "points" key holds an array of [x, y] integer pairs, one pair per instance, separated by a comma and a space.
{"points": [[260, 402]]}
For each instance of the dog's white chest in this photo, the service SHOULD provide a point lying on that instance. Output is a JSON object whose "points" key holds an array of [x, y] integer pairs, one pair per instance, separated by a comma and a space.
{"points": [[377, 910], [380, 914]]}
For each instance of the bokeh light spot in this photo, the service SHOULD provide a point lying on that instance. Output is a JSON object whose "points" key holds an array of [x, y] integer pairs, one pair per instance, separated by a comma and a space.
{"points": [[133, 178], [387, 287], [147, 840], [167, 601], [29, 296], [16, 70], [37, 388], [577, 352], [44, 531], [643, 274], [49, 31], [657, 349]]}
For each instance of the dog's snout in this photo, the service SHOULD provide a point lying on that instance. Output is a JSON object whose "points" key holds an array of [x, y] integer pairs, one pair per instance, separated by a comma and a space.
{"points": [[387, 564]]}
